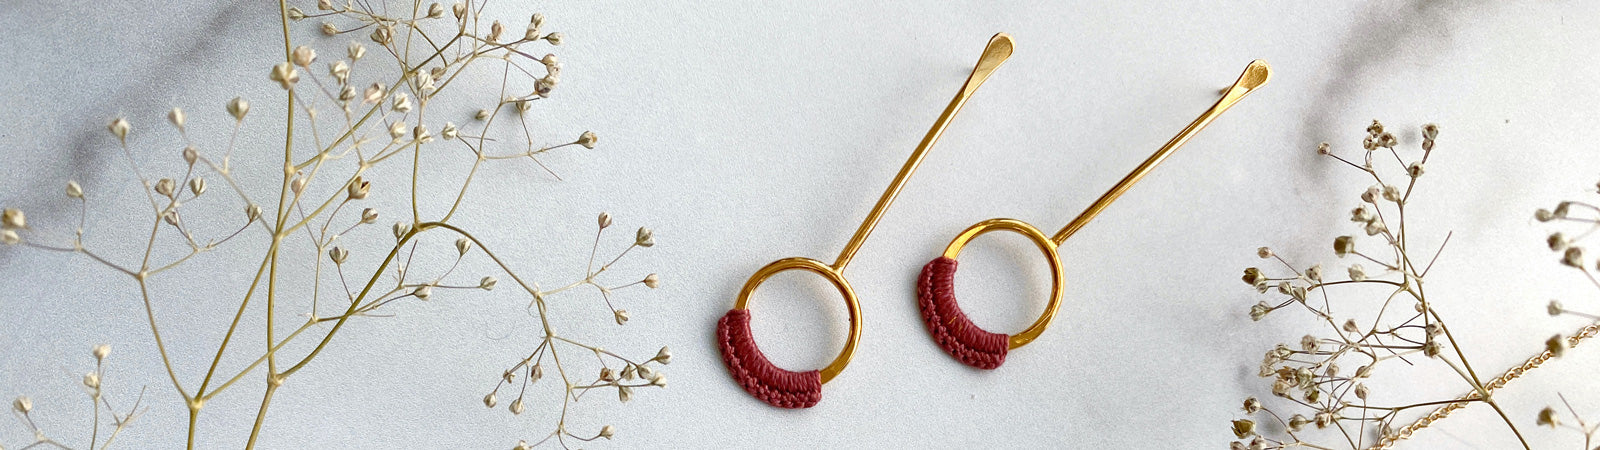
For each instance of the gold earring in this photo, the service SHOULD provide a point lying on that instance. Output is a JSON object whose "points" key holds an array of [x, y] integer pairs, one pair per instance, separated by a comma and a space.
{"points": [[787, 389], [975, 347]]}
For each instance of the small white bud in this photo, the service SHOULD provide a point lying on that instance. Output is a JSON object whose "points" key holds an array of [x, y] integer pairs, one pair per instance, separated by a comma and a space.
{"points": [[420, 134], [516, 406], [91, 380], [190, 155], [400, 230], [285, 74], [347, 93], [358, 188], [1555, 308], [165, 186], [381, 35], [1264, 252], [401, 102], [295, 14], [1548, 417], [621, 316], [422, 292], [328, 29], [252, 212], [338, 255], [1357, 273], [397, 129], [74, 190], [482, 114], [495, 30], [197, 186], [101, 351], [644, 238], [624, 394], [340, 71], [664, 356], [449, 132], [435, 11], [356, 51], [298, 184], [554, 38], [1344, 245], [1573, 257], [607, 431], [607, 375], [587, 139], [373, 94], [658, 379], [177, 118], [652, 281], [120, 128], [605, 220], [487, 283], [238, 107], [369, 215], [22, 404], [490, 400], [462, 245], [303, 56], [459, 10]]}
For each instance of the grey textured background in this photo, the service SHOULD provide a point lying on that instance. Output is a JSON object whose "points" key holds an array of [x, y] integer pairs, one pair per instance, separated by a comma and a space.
{"points": [[748, 132]]}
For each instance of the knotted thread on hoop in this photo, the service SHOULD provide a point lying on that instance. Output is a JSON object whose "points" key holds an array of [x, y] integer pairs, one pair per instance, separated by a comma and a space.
{"points": [[764, 381], [950, 327]]}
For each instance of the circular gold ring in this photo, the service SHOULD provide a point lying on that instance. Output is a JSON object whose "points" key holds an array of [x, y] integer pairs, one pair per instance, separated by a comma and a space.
{"points": [[833, 276], [1046, 246]]}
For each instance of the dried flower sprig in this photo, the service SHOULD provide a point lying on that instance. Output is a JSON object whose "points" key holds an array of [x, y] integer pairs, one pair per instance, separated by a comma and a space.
{"points": [[1406, 326], [380, 124], [94, 386]]}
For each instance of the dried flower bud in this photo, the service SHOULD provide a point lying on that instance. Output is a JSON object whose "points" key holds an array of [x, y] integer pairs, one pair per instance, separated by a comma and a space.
{"points": [[400, 230], [397, 129], [13, 219], [1548, 417], [1251, 405], [587, 139], [338, 255], [652, 281], [1433, 329], [340, 71], [462, 245], [170, 217], [190, 155], [1388, 140], [303, 56], [536, 21], [658, 379], [1362, 215], [176, 117], [1555, 308], [607, 431], [1243, 428], [490, 400], [401, 102], [605, 220], [435, 11], [607, 375], [663, 356], [295, 14], [101, 351], [1344, 245], [1324, 149], [197, 186], [238, 107], [1298, 422], [329, 29], [1427, 145], [1430, 131], [495, 30], [554, 38], [381, 35], [628, 372], [252, 212], [1432, 348], [535, 373], [373, 94], [91, 380], [645, 372], [74, 190], [516, 406], [482, 114], [449, 132], [1259, 311], [487, 283], [355, 51], [165, 186], [549, 59], [1350, 326], [1556, 345], [420, 134], [644, 238], [285, 74], [120, 128], [298, 184], [1391, 193], [369, 215], [1324, 419], [358, 188], [1314, 273], [22, 405], [1264, 252], [1361, 391], [422, 292], [1573, 257], [9, 237], [1556, 241], [621, 316], [1543, 215], [624, 393], [521, 445], [1308, 343], [1372, 194], [459, 9], [1415, 169], [1374, 228]]}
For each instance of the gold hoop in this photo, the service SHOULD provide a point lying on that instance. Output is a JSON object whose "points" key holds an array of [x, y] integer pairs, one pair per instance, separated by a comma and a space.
{"points": [[833, 276], [1046, 246]]}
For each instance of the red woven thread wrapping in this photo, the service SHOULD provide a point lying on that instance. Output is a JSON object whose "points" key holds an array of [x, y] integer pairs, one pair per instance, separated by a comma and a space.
{"points": [[936, 297], [764, 381]]}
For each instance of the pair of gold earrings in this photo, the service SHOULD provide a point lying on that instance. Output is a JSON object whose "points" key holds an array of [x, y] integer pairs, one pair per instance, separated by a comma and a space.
{"points": [[935, 287]]}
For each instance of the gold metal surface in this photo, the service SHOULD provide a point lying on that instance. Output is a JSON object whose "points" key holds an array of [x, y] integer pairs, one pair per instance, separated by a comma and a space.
{"points": [[1255, 75], [994, 54]]}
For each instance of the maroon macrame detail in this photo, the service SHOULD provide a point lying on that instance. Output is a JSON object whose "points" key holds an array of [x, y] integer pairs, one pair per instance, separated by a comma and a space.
{"points": [[936, 297], [764, 381]]}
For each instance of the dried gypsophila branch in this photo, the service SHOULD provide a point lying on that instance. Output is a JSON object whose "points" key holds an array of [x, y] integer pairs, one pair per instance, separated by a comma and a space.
{"points": [[1586, 217], [387, 109], [1309, 375], [94, 387]]}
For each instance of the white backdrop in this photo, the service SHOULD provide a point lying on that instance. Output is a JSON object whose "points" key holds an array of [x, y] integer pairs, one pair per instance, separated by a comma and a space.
{"points": [[746, 132]]}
